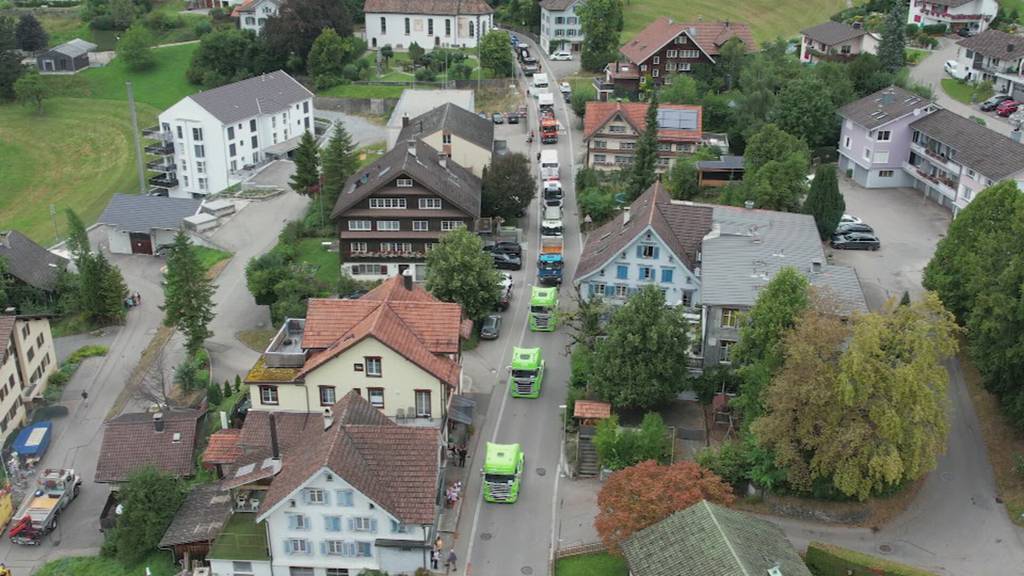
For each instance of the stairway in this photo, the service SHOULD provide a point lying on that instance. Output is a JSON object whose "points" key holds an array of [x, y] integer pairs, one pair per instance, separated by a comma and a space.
{"points": [[586, 455]]}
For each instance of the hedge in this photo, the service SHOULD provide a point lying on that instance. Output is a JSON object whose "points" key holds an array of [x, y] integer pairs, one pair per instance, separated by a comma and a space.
{"points": [[828, 560]]}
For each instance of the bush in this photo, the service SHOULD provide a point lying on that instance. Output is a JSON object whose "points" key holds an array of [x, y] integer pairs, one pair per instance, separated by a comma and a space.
{"points": [[350, 72], [86, 352], [830, 560], [424, 75], [59, 378], [911, 30], [620, 448], [731, 462], [162, 21], [202, 28], [934, 29], [213, 395], [186, 376]]}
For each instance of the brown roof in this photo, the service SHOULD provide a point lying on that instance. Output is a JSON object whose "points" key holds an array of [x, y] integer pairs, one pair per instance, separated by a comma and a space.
{"points": [[708, 36], [979, 148], [438, 7], [6, 329], [223, 447], [591, 409], [131, 442], [996, 44], [681, 225], [395, 466], [883, 107], [556, 5], [831, 33], [599, 113], [254, 441], [200, 519]]}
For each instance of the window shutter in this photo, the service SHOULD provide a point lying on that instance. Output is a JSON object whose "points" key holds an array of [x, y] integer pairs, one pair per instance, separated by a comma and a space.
{"points": [[327, 497], [590, 289], [293, 521], [323, 547], [656, 252], [609, 290], [639, 251], [350, 548], [373, 525], [309, 548], [666, 275], [287, 546], [351, 524], [305, 496]]}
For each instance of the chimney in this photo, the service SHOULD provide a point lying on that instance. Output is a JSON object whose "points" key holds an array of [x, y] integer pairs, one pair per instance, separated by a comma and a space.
{"points": [[405, 120], [275, 450], [411, 147], [749, 204], [625, 215], [328, 418], [158, 422], [407, 279], [442, 159], [692, 31]]}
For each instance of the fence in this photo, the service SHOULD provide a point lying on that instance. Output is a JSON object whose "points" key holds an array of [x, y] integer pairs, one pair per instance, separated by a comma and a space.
{"points": [[374, 106], [577, 550]]}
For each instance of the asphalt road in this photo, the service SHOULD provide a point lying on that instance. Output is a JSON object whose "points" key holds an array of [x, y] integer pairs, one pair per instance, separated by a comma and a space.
{"points": [[502, 539]]}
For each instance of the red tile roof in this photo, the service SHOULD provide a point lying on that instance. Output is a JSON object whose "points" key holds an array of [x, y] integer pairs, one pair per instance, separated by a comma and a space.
{"points": [[600, 113], [223, 447], [131, 442], [708, 36], [591, 409], [395, 466], [244, 6]]}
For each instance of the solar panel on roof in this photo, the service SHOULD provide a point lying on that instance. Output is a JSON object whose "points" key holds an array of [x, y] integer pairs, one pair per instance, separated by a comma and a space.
{"points": [[677, 119]]}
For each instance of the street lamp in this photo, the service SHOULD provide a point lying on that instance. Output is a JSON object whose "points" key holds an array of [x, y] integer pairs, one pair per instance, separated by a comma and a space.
{"points": [[565, 424]]}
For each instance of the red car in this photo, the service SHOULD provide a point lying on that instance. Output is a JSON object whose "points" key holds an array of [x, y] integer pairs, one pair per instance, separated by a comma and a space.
{"points": [[1007, 108]]}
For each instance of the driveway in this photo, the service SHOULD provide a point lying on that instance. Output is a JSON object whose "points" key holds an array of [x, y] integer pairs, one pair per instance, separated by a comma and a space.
{"points": [[363, 131], [929, 71]]}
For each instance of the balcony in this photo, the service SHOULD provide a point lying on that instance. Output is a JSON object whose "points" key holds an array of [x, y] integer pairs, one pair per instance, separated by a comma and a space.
{"points": [[955, 17], [285, 350], [161, 166], [156, 133], [936, 158], [162, 148], [829, 56], [946, 186], [164, 181]]}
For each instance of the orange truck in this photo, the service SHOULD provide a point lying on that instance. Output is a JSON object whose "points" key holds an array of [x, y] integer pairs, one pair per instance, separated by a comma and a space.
{"points": [[548, 127]]}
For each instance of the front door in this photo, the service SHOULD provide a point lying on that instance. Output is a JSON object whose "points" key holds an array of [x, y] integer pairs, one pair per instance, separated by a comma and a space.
{"points": [[47, 65], [141, 243]]}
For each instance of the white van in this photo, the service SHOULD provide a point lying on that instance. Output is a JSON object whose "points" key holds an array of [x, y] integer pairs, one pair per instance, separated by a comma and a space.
{"points": [[549, 164], [540, 81], [552, 212]]}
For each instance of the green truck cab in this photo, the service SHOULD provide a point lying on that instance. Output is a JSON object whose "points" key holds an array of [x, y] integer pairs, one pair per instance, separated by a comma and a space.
{"points": [[543, 308], [503, 472], [526, 372]]}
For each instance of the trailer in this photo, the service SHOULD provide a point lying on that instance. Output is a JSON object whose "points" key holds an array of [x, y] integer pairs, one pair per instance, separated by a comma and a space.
{"points": [[38, 514], [33, 441]]}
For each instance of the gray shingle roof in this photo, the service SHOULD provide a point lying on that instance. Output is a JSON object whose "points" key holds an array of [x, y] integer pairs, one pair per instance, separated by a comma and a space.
{"points": [[200, 519], [747, 247], [146, 213], [709, 540], [30, 262], [831, 33], [454, 183], [883, 107], [979, 148], [453, 119], [996, 44], [724, 163], [74, 48], [556, 5], [264, 94]]}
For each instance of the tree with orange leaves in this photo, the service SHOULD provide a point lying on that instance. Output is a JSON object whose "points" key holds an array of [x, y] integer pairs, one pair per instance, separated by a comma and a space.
{"points": [[636, 497]]}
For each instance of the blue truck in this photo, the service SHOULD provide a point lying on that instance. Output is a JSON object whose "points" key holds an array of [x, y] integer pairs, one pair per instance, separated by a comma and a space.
{"points": [[549, 269]]}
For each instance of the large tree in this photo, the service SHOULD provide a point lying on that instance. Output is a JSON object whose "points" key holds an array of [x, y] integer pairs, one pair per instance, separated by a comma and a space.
{"points": [[772, 143], [458, 270], [861, 407], [645, 157], [329, 55], [134, 48], [306, 178], [776, 164], [29, 34], [150, 499], [11, 69], [684, 178], [642, 362], [32, 90], [297, 25], [601, 22], [8, 36], [680, 89], [641, 495], [339, 160], [802, 111], [825, 202], [101, 290], [760, 351], [495, 55], [508, 186], [188, 294], [224, 56], [891, 48]]}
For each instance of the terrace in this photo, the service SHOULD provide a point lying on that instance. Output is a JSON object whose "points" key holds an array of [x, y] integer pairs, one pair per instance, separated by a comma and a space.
{"points": [[241, 539]]}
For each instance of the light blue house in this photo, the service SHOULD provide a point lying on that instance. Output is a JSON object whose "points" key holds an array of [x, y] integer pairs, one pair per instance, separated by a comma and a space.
{"points": [[656, 240]]}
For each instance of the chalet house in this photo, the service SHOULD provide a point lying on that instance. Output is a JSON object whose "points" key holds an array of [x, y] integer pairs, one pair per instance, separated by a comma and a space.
{"points": [[666, 47], [397, 345], [836, 41], [613, 129], [463, 136], [28, 264], [391, 213], [974, 15], [165, 440]]}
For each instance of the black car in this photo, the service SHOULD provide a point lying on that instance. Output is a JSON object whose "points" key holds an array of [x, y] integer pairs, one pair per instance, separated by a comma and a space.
{"points": [[965, 32], [513, 118], [504, 261], [513, 248], [856, 241], [498, 118], [490, 329], [993, 102], [847, 227]]}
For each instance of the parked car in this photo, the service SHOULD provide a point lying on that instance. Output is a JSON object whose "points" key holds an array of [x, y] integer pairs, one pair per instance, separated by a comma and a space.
{"points": [[490, 328], [1007, 107], [241, 409], [952, 67], [498, 118], [847, 227], [506, 281], [993, 102], [849, 219], [561, 55], [503, 261], [512, 248], [513, 118], [964, 32], [564, 87], [855, 241]]}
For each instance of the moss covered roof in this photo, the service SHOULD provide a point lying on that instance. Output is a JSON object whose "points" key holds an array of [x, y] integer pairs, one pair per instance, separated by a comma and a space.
{"points": [[260, 372]]}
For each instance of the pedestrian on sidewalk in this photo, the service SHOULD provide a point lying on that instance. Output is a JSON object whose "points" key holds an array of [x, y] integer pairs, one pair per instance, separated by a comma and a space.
{"points": [[138, 298], [462, 456], [435, 557], [450, 564]]}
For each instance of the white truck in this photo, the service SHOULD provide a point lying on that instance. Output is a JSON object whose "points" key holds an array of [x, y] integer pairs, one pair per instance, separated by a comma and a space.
{"points": [[545, 100], [549, 164], [540, 82], [38, 514]]}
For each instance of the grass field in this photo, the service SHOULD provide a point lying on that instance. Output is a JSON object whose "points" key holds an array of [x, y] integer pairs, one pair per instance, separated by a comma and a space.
{"points": [[601, 564], [63, 24], [766, 18], [959, 91], [84, 157], [210, 256], [160, 563], [312, 254]]}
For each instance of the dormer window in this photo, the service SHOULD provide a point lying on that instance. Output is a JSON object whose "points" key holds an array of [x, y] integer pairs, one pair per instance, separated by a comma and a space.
{"points": [[404, 182]]}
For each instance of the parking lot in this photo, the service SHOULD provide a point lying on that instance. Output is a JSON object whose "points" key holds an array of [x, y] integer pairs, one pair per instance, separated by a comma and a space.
{"points": [[909, 227]]}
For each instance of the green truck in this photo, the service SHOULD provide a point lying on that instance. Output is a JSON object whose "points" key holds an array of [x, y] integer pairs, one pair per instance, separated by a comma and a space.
{"points": [[526, 372], [503, 472], [543, 308]]}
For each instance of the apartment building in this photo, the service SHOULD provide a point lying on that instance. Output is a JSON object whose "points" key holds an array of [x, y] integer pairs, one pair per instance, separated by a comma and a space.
{"points": [[836, 42], [974, 15], [27, 358], [560, 28], [996, 57], [611, 131], [434, 24], [204, 142]]}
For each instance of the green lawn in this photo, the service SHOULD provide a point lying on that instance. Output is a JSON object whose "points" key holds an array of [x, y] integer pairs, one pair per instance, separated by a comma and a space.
{"points": [[210, 256], [327, 265], [359, 91], [161, 86], [76, 154], [766, 18], [914, 55], [63, 24], [160, 564], [241, 539], [600, 564], [959, 91], [1011, 5]]}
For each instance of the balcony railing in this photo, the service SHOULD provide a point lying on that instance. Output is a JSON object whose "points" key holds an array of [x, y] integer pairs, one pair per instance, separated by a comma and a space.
{"points": [[164, 181], [155, 132], [602, 85], [162, 148], [955, 17], [388, 254], [161, 166]]}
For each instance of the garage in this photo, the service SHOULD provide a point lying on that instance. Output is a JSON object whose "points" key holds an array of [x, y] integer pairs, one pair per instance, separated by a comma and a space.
{"points": [[145, 224], [141, 243]]}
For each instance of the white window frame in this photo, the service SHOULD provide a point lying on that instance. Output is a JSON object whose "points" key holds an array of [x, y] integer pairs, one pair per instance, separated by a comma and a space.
{"points": [[881, 157], [403, 183], [886, 133], [387, 203], [316, 496], [449, 225], [867, 153], [726, 351], [621, 291], [299, 546], [420, 225], [362, 524], [378, 371], [388, 225], [730, 318], [360, 225], [430, 204], [423, 411], [358, 248]]}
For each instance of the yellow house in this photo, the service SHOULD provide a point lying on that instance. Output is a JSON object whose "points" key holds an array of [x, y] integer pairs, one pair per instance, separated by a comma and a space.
{"points": [[27, 358], [397, 346], [457, 133]]}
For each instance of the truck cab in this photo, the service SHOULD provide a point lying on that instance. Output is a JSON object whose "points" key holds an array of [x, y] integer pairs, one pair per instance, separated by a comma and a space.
{"points": [[540, 81], [543, 308], [38, 513], [526, 373], [503, 472], [551, 227], [549, 269]]}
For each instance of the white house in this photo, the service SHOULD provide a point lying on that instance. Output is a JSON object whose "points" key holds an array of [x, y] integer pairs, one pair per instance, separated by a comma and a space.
{"points": [[560, 25], [995, 56], [253, 14], [438, 23], [139, 224], [975, 15], [205, 140]]}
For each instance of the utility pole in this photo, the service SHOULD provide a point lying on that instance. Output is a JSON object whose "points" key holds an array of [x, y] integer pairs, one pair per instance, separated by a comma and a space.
{"points": [[53, 218], [136, 137]]}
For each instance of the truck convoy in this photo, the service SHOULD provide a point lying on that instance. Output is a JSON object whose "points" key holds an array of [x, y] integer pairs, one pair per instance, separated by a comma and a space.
{"points": [[549, 165], [37, 516], [526, 373], [543, 307], [548, 124], [503, 472]]}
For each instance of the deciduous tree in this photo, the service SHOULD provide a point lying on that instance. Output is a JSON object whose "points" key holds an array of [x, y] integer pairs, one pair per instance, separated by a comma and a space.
{"points": [[775, 165], [30, 34], [642, 362], [801, 110], [11, 69], [150, 499], [32, 90], [601, 22], [416, 54], [224, 56], [508, 186], [495, 55], [298, 23], [636, 497], [645, 158], [684, 178], [679, 89], [8, 36], [188, 294], [328, 56], [134, 48], [122, 13], [825, 202], [619, 447], [459, 270]]}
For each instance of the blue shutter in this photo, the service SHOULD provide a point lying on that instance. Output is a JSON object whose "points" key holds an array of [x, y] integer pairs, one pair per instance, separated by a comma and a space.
{"points": [[609, 290], [623, 272], [309, 548], [639, 251], [293, 521], [323, 548], [590, 289], [305, 496], [287, 546], [327, 497], [666, 275], [656, 252], [373, 525], [351, 524]]}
